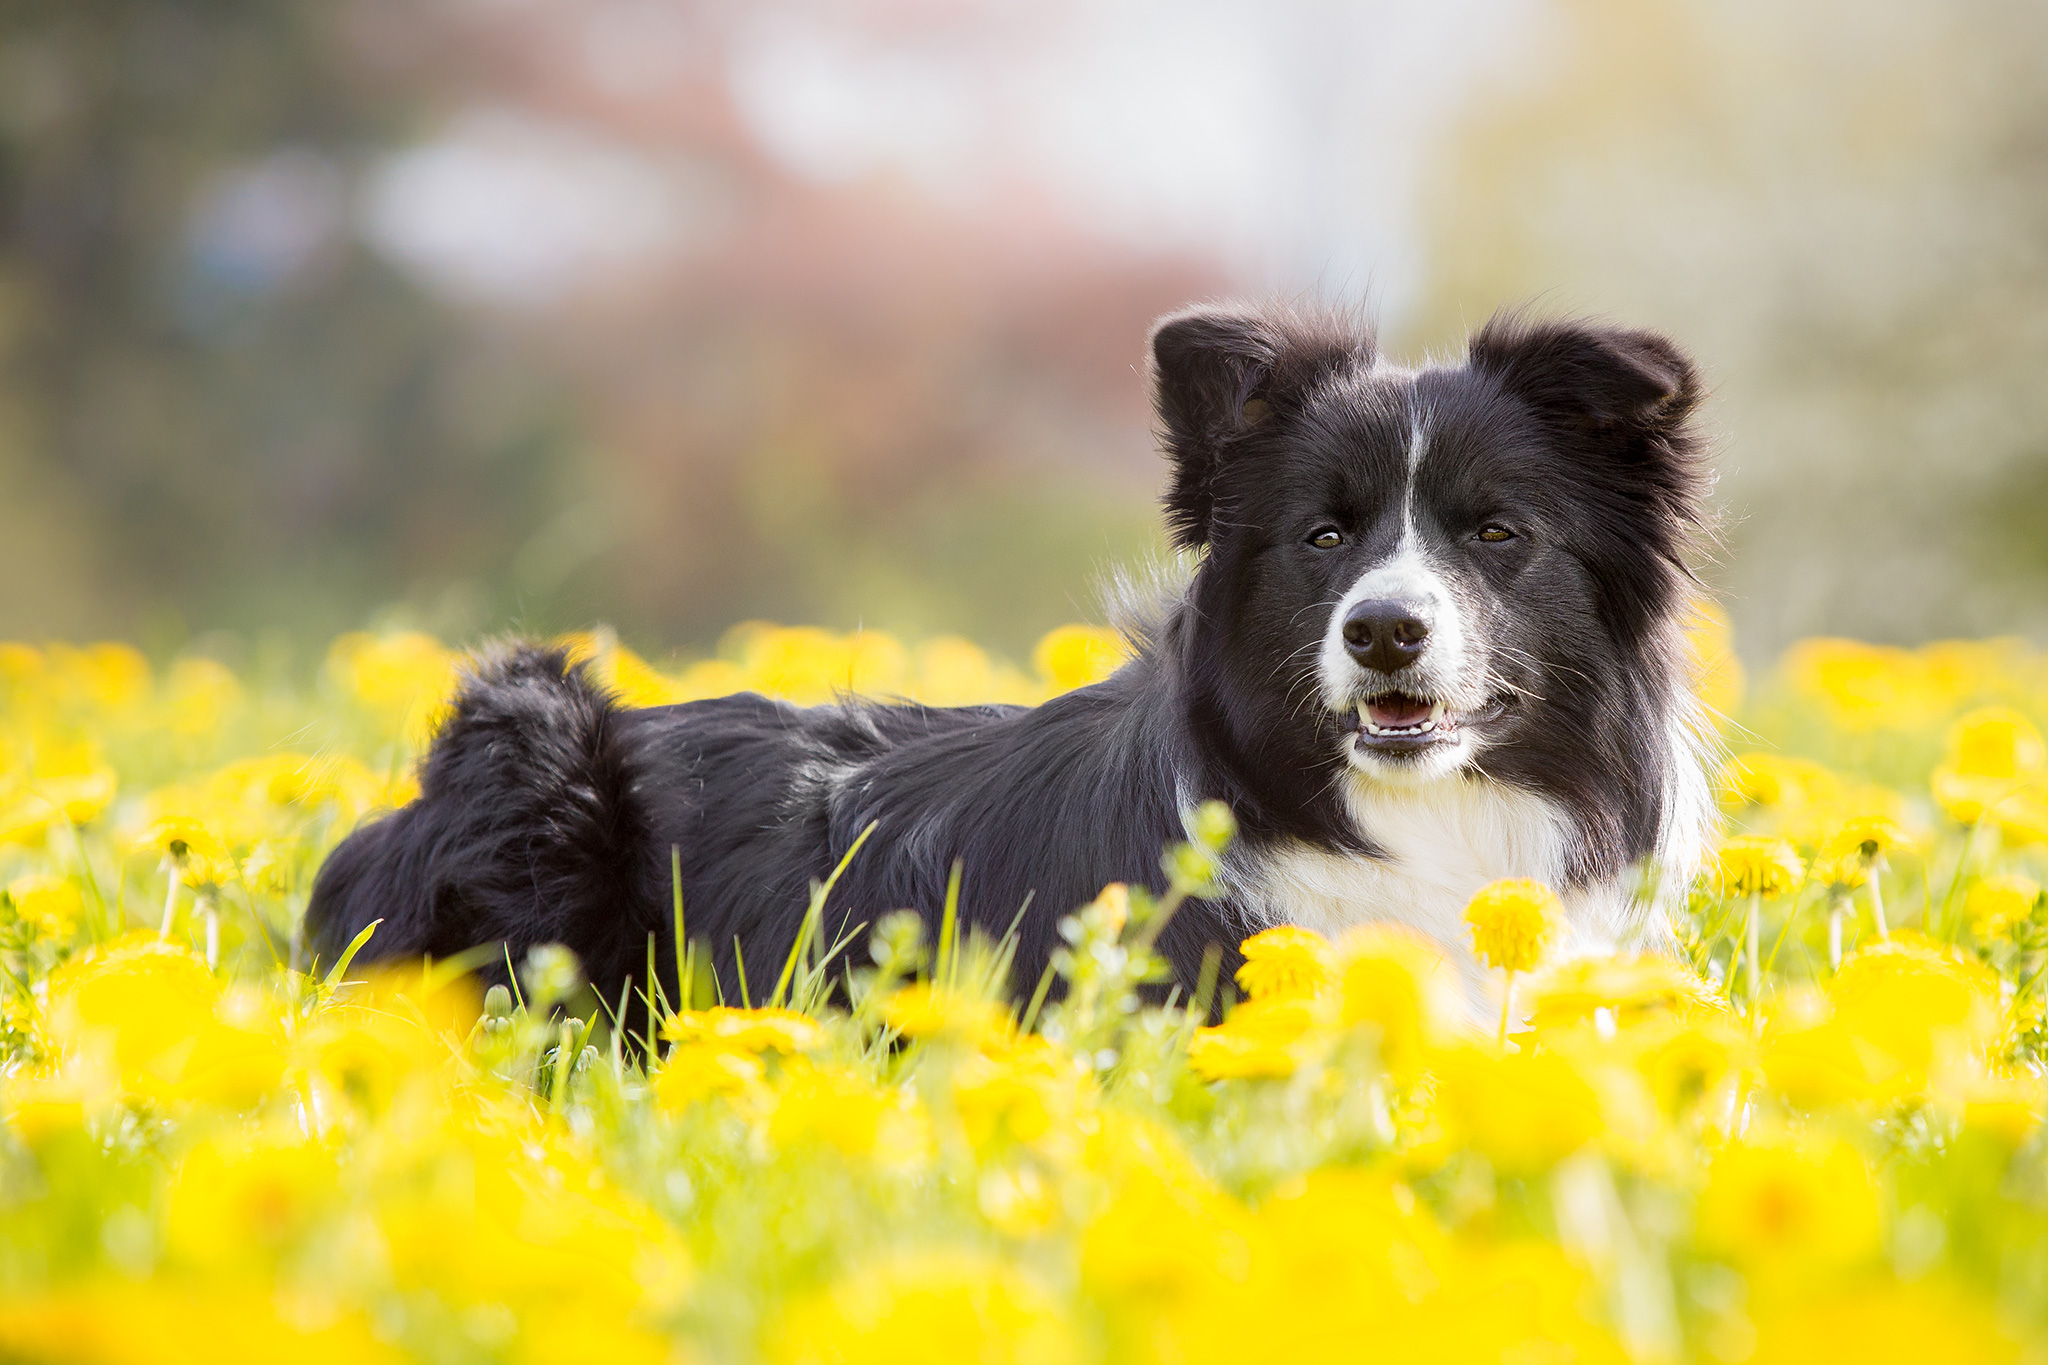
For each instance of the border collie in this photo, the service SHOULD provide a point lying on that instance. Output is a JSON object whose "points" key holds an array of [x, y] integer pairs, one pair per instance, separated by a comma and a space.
{"points": [[1432, 637]]}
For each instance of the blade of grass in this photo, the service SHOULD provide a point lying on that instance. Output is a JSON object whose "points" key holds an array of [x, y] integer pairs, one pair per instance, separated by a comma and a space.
{"points": [[653, 990], [512, 974], [348, 954], [947, 962], [1029, 1020], [812, 927], [675, 889]]}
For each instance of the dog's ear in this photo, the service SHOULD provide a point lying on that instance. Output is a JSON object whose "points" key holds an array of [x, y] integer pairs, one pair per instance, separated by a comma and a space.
{"points": [[1621, 402], [1628, 391], [1222, 376]]}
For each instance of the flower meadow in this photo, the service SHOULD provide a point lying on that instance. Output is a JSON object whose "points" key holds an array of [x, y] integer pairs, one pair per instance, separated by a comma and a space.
{"points": [[1811, 1131]]}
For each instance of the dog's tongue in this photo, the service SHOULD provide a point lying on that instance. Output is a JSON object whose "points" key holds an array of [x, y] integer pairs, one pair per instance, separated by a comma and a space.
{"points": [[1394, 712]]}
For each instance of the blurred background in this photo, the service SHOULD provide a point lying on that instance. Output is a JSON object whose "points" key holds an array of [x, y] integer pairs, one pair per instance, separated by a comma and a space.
{"points": [[482, 314]]}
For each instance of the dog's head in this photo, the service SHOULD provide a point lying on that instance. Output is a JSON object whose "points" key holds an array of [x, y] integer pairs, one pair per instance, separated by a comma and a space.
{"points": [[1418, 572]]}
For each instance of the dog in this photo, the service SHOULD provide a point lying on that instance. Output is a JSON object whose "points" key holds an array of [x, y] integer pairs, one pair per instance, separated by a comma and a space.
{"points": [[1432, 636]]}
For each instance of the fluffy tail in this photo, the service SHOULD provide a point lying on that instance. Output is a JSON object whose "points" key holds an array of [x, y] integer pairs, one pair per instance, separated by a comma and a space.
{"points": [[526, 831]]}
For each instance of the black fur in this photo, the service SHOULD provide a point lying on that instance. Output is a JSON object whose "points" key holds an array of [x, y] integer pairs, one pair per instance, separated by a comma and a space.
{"points": [[547, 813]]}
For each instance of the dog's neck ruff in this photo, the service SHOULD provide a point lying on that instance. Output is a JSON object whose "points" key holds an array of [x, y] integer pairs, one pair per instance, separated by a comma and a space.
{"points": [[1439, 842]]}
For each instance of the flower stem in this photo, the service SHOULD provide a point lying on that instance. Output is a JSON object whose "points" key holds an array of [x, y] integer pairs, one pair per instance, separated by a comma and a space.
{"points": [[1884, 929], [1507, 1005], [1756, 900], [170, 904], [1835, 932]]}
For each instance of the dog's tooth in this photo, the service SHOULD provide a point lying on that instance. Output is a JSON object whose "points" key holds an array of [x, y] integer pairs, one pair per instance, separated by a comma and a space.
{"points": [[1436, 712]]}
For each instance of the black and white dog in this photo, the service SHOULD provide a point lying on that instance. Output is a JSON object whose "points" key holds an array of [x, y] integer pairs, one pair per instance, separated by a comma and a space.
{"points": [[1432, 638]]}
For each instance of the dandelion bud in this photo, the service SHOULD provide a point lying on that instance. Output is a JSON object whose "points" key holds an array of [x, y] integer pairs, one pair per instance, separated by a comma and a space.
{"points": [[1214, 826], [897, 944], [498, 1003], [1110, 911], [1191, 868], [551, 974], [1513, 921]]}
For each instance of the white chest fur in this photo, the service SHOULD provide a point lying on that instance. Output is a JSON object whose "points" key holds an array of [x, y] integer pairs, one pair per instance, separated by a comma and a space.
{"points": [[1443, 840]]}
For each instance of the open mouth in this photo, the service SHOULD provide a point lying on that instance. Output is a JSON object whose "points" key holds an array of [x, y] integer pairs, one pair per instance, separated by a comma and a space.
{"points": [[1399, 721]]}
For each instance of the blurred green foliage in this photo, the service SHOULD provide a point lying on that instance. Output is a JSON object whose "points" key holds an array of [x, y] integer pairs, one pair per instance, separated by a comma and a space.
{"points": [[197, 439]]}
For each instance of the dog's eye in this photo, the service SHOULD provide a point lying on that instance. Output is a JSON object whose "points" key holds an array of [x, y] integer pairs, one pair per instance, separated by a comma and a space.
{"points": [[1493, 535], [1328, 538]]}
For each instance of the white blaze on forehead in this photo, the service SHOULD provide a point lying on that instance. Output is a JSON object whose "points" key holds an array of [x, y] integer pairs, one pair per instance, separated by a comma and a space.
{"points": [[1409, 576], [1418, 445]]}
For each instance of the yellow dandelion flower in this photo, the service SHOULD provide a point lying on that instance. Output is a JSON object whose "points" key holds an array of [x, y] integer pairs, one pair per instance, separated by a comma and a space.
{"points": [[710, 678], [1260, 1038], [1075, 656], [21, 666], [1776, 782], [1286, 961], [842, 1108], [754, 1031], [2022, 817], [1995, 741], [236, 1201], [1997, 768], [1917, 1005], [270, 868], [131, 1320], [1523, 1111], [59, 778], [1690, 1064], [39, 1107], [924, 1010], [407, 679], [2006, 1109], [202, 857], [1627, 985], [925, 1309], [1887, 1322], [694, 1072], [152, 1012], [1397, 982], [1856, 848], [950, 671], [1028, 1095], [558, 1333], [52, 906], [1870, 837], [1513, 920], [1754, 867], [1996, 906], [1750, 865], [114, 679], [1861, 687], [1814, 1061], [1788, 1202], [803, 664], [1719, 680], [198, 696]]}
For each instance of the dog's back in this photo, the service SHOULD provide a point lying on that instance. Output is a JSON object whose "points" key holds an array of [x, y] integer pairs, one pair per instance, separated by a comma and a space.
{"points": [[550, 814]]}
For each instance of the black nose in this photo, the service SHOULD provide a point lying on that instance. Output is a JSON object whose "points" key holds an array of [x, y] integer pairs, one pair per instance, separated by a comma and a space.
{"points": [[1385, 635]]}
